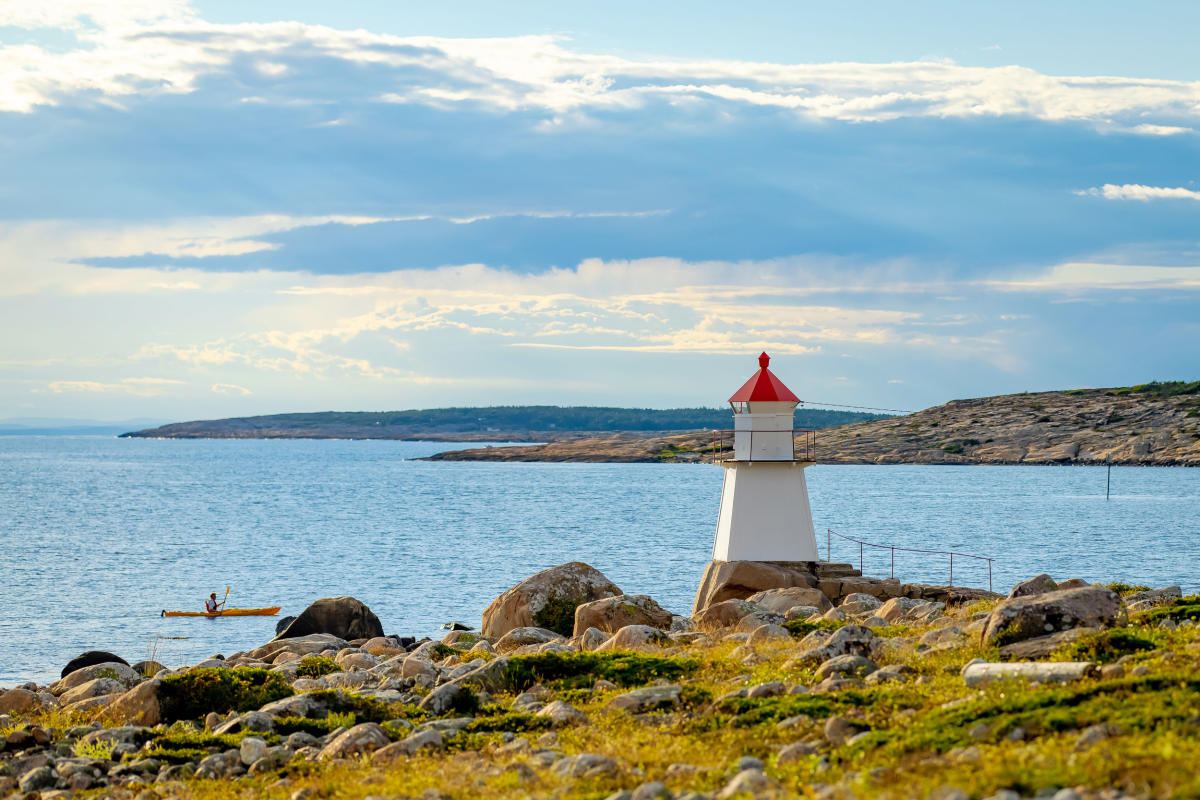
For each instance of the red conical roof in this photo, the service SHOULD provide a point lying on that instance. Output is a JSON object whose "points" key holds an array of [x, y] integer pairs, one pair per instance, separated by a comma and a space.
{"points": [[764, 387]]}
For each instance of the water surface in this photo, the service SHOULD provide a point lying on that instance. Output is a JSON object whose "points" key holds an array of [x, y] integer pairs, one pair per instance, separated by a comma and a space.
{"points": [[98, 535]]}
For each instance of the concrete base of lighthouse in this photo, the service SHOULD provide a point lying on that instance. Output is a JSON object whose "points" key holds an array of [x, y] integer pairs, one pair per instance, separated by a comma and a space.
{"points": [[765, 514]]}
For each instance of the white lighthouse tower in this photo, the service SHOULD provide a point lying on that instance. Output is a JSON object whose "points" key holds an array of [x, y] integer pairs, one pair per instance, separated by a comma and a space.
{"points": [[765, 514]]}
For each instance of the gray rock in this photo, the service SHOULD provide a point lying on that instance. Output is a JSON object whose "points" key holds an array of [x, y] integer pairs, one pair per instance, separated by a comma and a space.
{"points": [[982, 673], [847, 666], [1030, 617], [1043, 646], [768, 633], [252, 749], [649, 698], [37, 779], [1039, 584], [449, 697], [838, 730], [653, 790], [586, 765], [852, 640], [749, 781], [363, 738], [522, 637], [89, 658], [561, 714], [430, 739], [637, 637], [794, 753], [892, 672]]}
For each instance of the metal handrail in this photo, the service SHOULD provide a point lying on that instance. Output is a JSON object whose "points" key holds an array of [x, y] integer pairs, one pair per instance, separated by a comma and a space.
{"points": [[829, 534], [807, 446]]}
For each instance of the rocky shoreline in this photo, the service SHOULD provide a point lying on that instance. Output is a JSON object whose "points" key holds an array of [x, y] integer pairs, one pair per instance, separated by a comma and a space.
{"points": [[1151, 425], [786, 680]]}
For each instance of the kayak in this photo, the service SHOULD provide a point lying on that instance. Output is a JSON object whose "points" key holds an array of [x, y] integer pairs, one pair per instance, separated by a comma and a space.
{"points": [[228, 612]]}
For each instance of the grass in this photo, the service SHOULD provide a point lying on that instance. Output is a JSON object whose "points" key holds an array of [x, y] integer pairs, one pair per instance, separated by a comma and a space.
{"points": [[799, 628], [98, 750], [1104, 647]]}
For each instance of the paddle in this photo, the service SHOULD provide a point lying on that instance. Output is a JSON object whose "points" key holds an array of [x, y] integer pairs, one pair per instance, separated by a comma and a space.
{"points": [[226, 600]]}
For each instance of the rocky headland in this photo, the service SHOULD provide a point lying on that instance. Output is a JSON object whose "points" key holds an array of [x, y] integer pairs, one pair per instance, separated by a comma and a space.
{"points": [[1156, 424], [786, 680]]}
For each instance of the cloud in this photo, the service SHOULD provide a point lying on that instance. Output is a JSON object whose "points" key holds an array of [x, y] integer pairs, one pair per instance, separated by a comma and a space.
{"points": [[1136, 191], [162, 48], [140, 387], [1080, 276], [230, 388]]}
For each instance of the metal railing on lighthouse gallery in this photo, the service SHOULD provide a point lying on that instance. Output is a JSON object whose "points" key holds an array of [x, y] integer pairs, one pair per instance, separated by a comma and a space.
{"points": [[804, 444]]}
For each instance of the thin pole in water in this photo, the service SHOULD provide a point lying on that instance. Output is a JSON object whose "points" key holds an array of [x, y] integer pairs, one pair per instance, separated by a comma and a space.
{"points": [[952, 569], [1108, 481]]}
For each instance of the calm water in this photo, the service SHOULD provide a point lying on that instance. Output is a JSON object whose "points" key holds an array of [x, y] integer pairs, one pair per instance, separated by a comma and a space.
{"points": [[98, 535]]}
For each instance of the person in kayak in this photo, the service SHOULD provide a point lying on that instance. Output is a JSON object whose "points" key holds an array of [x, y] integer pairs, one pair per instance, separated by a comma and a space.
{"points": [[211, 605]]}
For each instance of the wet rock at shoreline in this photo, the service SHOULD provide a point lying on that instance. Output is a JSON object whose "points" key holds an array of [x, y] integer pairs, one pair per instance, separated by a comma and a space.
{"points": [[343, 617], [90, 658]]}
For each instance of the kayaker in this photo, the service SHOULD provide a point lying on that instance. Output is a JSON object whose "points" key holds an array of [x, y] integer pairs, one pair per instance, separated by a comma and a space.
{"points": [[211, 605]]}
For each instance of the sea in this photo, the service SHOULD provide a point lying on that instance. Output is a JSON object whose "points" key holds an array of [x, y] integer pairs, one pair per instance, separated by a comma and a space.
{"points": [[99, 535]]}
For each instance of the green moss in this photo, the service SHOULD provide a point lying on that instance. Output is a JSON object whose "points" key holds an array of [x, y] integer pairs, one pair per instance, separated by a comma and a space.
{"points": [[1125, 589], [440, 651], [314, 727], [500, 720], [199, 691], [800, 628], [366, 709], [1149, 704], [316, 666], [558, 615], [177, 747], [1104, 647], [581, 670], [1188, 608]]}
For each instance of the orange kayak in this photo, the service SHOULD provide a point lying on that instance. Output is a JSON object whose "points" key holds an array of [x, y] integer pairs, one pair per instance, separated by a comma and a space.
{"points": [[228, 612]]}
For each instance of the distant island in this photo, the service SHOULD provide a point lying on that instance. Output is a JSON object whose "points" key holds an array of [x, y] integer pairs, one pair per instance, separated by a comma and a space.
{"points": [[1154, 424], [491, 423]]}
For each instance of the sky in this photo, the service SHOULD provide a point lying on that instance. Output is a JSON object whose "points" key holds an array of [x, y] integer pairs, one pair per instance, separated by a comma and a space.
{"points": [[213, 209]]}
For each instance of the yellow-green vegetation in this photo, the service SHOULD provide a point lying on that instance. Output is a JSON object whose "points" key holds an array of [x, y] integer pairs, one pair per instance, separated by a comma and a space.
{"points": [[578, 670], [1134, 727], [100, 750], [316, 666], [195, 693]]}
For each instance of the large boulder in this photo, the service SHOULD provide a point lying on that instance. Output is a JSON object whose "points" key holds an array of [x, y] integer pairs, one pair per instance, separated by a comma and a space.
{"points": [[1036, 615], [547, 600], [781, 600], [849, 640], [1038, 584], [722, 615], [637, 637], [138, 706], [90, 658], [343, 617], [610, 614], [728, 580]]}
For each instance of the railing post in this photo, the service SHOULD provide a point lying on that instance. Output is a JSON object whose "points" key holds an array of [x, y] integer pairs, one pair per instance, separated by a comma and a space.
{"points": [[828, 545], [989, 574], [860, 559], [892, 573], [952, 569]]}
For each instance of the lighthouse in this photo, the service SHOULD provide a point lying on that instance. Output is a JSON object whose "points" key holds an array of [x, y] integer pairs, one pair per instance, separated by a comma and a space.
{"points": [[765, 515]]}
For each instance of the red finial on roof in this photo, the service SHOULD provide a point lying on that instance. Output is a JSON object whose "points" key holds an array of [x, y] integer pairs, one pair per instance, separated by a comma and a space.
{"points": [[764, 387]]}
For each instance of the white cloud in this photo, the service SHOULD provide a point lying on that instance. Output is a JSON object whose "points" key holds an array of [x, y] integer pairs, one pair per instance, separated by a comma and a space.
{"points": [[1078, 276], [140, 387], [1136, 191], [230, 388], [154, 48]]}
